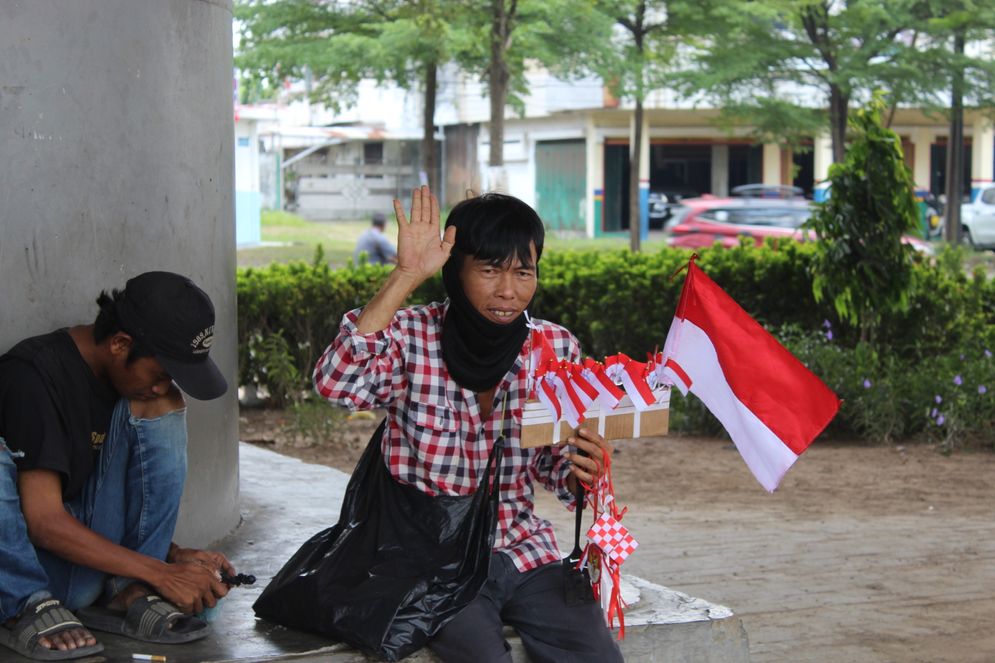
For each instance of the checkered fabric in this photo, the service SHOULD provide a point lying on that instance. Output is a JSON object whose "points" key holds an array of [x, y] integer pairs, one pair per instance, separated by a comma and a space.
{"points": [[612, 537], [436, 439]]}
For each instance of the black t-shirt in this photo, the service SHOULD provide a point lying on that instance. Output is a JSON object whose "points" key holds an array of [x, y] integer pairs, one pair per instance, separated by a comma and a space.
{"points": [[53, 408]]}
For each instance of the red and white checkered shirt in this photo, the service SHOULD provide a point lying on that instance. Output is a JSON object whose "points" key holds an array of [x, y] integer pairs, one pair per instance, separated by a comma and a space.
{"points": [[436, 439]]}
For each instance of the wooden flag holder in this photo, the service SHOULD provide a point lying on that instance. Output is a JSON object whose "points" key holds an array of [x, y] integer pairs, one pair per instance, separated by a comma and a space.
{"points": [[624, 422]]}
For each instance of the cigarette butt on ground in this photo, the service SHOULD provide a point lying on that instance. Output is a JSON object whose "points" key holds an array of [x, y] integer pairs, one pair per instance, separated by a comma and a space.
{"points": [[148, 657]]}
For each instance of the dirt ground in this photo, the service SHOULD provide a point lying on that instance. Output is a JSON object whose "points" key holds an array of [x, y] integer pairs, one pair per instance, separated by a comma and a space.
{"points": [[865, 553]]}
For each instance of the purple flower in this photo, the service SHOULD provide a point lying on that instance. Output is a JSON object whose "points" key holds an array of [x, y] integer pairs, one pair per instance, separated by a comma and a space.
{"points": [[958, 380], [938, 399], [940, 419], [962, 357], [982, 389], [867, 384], [988, 353], [827, 324], [829, 335], [933, 413]]}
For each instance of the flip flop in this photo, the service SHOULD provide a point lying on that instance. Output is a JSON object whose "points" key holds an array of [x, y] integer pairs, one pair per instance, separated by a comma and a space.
{"points": [[44, 618], [149, 619]]}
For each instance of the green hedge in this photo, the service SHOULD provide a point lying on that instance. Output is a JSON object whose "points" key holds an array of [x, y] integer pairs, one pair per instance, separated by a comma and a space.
{"points": [[618, 301]]}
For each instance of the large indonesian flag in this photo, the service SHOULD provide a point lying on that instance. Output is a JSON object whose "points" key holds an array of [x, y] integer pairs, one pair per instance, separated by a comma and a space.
{"points": [[769, 403]]}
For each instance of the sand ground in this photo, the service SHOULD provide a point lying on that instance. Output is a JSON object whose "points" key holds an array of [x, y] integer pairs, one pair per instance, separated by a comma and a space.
{"points": [[866, 553]]}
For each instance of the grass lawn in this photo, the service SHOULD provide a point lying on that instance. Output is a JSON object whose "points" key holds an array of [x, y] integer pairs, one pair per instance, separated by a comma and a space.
{"points": [[289, 237]]}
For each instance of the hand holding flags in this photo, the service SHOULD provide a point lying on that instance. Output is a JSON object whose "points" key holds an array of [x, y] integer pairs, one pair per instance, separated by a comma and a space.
{"points": [[769, 403]]}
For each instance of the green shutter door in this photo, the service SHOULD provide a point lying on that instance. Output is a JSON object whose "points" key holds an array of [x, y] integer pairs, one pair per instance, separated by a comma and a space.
{"points": [[560, 183]]}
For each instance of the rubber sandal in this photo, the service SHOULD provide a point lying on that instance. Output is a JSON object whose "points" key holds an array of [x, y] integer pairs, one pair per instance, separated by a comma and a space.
{"points": [[149, 619], [44, 618]]}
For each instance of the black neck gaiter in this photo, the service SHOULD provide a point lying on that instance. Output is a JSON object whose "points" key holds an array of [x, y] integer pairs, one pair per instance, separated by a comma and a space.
{"points": [[477, 352]]}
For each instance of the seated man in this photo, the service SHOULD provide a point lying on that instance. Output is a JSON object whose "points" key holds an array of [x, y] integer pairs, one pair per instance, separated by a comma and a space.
{"points": [[92, 466], [376, 246], [453, 378]]}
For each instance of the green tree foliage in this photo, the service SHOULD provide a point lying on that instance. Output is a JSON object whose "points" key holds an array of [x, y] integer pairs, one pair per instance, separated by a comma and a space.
{"points": [[760, 61], [861, 264], [957, 71], [502, 39], [635, 60], [337, 44]]}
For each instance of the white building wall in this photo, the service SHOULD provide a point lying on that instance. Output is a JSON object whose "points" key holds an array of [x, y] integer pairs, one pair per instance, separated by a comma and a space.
{"points": [[520, 138], [248, 224]]}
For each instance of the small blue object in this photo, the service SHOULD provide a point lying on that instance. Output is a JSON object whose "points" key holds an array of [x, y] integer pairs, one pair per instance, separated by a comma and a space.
{"points": [[210, 614]]}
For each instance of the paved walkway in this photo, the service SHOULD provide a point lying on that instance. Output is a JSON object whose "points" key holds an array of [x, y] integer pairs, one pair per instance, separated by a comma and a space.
{"points": [[281, 500]]}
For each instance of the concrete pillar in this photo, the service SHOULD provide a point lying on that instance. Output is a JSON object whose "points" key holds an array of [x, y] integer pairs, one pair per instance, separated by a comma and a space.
{"points": [[720, 170], [822, 157], [922, 141], [772, 164], [982, 155], [594, 150], [116, 126]]}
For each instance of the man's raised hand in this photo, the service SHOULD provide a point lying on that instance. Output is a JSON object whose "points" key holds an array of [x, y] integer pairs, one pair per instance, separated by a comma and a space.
{"points": [[420, 251]]}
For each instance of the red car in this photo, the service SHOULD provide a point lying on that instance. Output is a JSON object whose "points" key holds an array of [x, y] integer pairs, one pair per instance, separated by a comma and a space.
{"points": [[704, 221]]}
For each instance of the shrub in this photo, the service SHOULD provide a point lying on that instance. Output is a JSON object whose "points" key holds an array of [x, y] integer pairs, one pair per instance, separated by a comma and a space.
{"points": [[861, 264], [623, 302]]}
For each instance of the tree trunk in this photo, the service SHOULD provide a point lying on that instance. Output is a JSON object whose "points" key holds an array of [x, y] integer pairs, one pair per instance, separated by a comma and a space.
{"points": [[428, 124], [839, 104], [955, 151], [635, 158], [498, 87]]}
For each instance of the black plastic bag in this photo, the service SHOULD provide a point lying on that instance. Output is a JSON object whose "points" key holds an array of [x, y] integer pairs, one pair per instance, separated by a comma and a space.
{"points": [[396, 568]]}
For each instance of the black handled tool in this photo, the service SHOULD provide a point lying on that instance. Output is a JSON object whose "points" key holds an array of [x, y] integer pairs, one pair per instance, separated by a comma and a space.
{"points": [[237, 580], [577, 582]]}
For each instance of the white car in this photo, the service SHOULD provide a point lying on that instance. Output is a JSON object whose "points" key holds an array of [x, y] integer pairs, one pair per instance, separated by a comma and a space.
{"points": [[977, 219]]}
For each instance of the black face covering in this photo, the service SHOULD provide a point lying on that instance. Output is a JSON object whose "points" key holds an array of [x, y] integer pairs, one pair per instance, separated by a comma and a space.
{"points": [[477, 352]]}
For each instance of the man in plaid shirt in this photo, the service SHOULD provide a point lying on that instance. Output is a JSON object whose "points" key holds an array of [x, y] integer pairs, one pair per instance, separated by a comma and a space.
{"points": [[453, 377]]}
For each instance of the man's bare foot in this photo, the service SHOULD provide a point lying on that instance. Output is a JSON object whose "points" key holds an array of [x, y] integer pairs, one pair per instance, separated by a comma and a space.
{"points": [[123, 599], [74, 638], [65, 640]]}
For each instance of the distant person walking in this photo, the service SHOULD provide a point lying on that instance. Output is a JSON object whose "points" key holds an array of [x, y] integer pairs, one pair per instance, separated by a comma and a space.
{"points": [[376, 246]]}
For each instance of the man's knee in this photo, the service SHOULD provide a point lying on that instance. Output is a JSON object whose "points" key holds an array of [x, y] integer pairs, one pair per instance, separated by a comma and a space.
{"points": [[171, 401], [475, 635]]}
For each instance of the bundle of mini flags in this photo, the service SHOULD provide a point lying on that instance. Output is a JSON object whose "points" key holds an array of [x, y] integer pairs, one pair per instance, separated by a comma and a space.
{"points": [[569, 390]]}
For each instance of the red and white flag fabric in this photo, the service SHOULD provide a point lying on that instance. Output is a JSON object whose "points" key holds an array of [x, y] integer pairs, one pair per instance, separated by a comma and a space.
{"points": [[632, 375], [544, 363], [769, 403], [573, 401], [583, 386], [609, 393]]}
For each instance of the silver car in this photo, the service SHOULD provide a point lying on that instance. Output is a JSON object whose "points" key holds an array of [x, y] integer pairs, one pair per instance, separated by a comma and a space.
{"points": [[978, 219]]}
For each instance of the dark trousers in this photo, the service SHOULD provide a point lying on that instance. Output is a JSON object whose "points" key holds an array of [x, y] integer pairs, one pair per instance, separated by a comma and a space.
{"points": [[533, 604]]}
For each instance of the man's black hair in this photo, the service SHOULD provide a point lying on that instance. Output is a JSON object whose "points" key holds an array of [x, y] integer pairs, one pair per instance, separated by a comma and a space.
{"points": [[107, 324], [496, 228]]}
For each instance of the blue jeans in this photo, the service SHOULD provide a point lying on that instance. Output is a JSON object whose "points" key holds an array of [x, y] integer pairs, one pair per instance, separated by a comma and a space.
{"points": [[131, 498]]}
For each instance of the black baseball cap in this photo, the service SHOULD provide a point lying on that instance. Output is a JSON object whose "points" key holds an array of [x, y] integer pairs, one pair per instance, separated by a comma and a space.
{"points": [[175, 319]]}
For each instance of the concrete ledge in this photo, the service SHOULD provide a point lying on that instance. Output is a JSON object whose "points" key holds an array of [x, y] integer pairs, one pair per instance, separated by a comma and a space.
{"points": [[661, 626], [285, 501]]}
